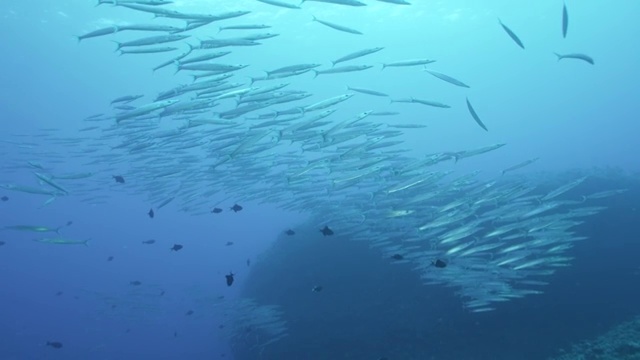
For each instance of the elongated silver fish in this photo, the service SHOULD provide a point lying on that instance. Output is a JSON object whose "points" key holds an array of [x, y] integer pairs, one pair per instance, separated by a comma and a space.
{"points": [[337, 26], [367, 91], [100, 32], [340, 2], [397, 2], [152, 40], [475, 116], [148, 50], [447, 78], [342, 69], [565, 20], [357, 54], [520, 165], [412, 62], [576, 56], [280, 4], [511, 34], [62, 241]]}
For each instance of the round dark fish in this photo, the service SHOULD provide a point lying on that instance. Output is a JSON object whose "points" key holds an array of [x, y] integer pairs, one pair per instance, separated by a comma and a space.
{"points": [[229, 243], [316, 288], [151, 213], [188, 313], [119, 179], [290, 232], [135, 283], [326, 231], [439, 263], [230, 278], [236, 208], [54, 344], [2, 243], [4, 198], [216, 210], [151, 241], [397, 257], [176, 247], [110, 258]]}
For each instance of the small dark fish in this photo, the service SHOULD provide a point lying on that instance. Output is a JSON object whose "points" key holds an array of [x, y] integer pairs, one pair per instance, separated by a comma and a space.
{"points": [[127, 331], [175, 334], [151, 213], [511, 34], [475, 116], [326, 231], [216, 210], [69, 223], [290, 232], [397, 257], [151, 241], [176, 247], [221, 297], [135, 283], [161, 292], [54, 344], [565, 20], [119, 179], [229, 243], [236, 208], [2, 243], [114, 306], [316, 288], [110, 258], [221, 326], [188, 313], [4, 198], [248, 262], [439, 263], [59, 293], [230, 278]]}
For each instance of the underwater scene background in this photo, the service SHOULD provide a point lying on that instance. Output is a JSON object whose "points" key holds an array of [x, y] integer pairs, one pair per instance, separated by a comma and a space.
{"points": [[335, 179]]}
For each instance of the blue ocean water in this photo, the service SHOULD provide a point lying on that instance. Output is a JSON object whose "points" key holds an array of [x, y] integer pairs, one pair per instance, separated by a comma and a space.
{"points": [[576, 117]]}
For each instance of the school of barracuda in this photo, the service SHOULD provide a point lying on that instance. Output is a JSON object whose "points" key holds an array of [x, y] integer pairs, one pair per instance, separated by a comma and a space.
{"points": [[261, 140]]}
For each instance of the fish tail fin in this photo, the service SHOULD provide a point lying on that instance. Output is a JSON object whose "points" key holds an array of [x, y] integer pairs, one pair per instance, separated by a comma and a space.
{"points": [[503, 172], [558, 55], [333, 63], [117, 43], [86, 242], [121, 53], [177, 67], [313, 18], [383, 66], [315, 73], [78, 38], [584, 198]]}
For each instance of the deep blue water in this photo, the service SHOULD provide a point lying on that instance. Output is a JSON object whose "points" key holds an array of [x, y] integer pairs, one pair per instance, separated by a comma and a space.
{"points": [[572, 115]]}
